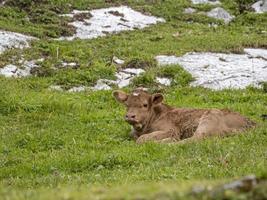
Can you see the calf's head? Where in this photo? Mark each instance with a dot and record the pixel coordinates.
(139, 105)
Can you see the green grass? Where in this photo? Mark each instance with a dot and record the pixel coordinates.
(76, 146)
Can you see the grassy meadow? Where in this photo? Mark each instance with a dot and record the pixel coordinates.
(61, 145)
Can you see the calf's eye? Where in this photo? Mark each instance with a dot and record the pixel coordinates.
(145, 105)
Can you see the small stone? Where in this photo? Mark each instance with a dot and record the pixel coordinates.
(78, 89)
(189, 10)
(56, 88)
(213, 2)
(177, 34)
(133, 71)
(213, 25)
(118, 61)
(164, 81)
(71, 64)
(198, 189)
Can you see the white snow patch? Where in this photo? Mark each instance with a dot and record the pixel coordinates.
(13, 40)
(23, 71)
(220, 13)
(110, 20)
(218, 71)
(213, 2)
(260, 6)
(164, 81)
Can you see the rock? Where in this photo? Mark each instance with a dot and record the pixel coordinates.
(17, 72)
(125, 76)
(244, 184)
(218, 71)
(220, 13)
(78, 89)
(177, 34)
(245, 187)
(117, 61)
(189, 10)
(133, 71)
(256, 53)
(123, 79)
(103, 84)
(56, 88)
(71, 64)
(213, 2)
(11, 71)
(213, 25)
(260, 6)
(164, 81)
(108, 21)
(13, 40)
(2, 3)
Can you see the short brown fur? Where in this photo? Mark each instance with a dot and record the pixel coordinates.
(153, 120)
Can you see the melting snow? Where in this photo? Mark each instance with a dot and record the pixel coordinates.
(13, 40)
(218, 71)
(110, 20)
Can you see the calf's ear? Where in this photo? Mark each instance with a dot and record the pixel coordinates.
(157, 98)
(120, 96)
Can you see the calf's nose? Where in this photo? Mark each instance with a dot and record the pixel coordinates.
(130, 117)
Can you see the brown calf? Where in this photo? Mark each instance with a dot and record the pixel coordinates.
(153, 120)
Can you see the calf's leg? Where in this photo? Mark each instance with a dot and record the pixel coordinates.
(156, 136)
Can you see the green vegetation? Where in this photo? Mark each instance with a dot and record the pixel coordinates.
(76, 146)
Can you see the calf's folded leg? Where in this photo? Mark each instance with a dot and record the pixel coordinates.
(154, 136)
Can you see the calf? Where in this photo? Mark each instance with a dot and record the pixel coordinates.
(153, 120)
